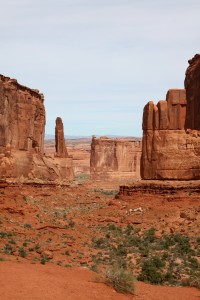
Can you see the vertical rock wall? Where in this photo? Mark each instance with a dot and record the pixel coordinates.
(171, 136)
(22, 116)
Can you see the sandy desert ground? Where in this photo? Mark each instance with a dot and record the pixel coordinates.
(53, 238)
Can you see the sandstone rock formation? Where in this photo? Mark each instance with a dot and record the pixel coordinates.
(61, 150)
(22, 116)
(115, 158)
(171, 136)
(192, 85)
(22, 126)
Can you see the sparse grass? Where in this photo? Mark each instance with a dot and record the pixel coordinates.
(193, 281)
(94, 268)
(82, 177)
(120, 279)
(107, 192)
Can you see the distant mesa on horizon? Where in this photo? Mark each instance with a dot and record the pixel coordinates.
(52, 136)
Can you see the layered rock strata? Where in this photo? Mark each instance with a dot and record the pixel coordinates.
(115, 158)
(171, 132)
(22, 116)
(22, 127)
(161, 187)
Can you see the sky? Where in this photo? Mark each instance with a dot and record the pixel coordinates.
(98, 62)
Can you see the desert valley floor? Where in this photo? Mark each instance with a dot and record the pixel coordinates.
(58, 240)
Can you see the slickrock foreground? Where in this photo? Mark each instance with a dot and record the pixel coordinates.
(115, 158)
(171, 132)
(22, 127)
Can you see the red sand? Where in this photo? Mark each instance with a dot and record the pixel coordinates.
(51, 282)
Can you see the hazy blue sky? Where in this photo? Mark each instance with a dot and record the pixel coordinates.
(98, 62)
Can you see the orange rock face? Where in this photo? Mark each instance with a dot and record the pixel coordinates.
(115, 158)
(22, 127)
(22, 116)
(171, 136)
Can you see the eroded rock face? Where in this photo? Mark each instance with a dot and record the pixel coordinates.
(171, 136)
(168, 114)
(22, 116)
(115, 158)
(192, 85)
(22, 127)
(61, 150)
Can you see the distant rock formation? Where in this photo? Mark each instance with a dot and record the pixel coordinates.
(22, 126)
(61, 150)
(115, 158)
(171, 136)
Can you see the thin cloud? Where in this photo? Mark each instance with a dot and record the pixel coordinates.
(83, 54)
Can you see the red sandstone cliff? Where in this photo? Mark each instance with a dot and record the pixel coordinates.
(22, 126)
(115, 158)
(171, 136)
(22, 116)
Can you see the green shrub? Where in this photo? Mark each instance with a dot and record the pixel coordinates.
(151, 270)
(44, 259)
(71, 224)
(150, 235)
(27, 225)
(3, 234)
(24, 198)
(120, 279)
(100, 243)
(8, 249)
(22, 252)
(107, 192)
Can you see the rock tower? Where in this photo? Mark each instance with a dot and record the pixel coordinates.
(171, 132)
